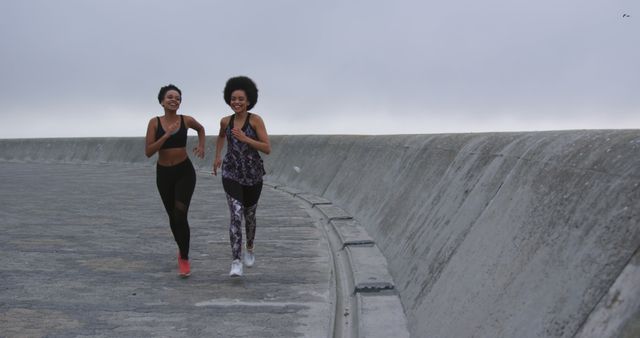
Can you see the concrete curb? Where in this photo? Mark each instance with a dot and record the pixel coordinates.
(381, 316)
(379, 310)
(332, 212)
(289, 190)
(369, 269)
(313, 199)
(351, 232)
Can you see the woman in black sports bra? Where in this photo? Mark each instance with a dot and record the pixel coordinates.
(175, 176)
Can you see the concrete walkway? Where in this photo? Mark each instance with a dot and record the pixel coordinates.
(86, 250)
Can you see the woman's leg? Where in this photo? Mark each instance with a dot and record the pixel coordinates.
(250, 224)
(252, 195)
(234, 193)
(235, 229)
(165, 181)
(184, 187)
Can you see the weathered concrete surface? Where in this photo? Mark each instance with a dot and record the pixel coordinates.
(614, 315)
(486, 235)
(86, 251)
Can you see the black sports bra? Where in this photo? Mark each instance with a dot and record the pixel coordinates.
(177, 140)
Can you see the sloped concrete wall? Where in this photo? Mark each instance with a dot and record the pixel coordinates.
(486, 235)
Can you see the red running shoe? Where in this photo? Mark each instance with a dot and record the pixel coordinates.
(184, 267)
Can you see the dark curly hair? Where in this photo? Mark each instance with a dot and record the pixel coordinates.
(241, 83)
(165, 89)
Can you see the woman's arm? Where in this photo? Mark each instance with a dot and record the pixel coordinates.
(262, 143)
(217, 162)
(195, 125)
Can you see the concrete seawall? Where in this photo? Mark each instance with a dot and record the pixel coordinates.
(486, 235)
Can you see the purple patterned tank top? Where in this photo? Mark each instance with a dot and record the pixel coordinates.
(242, 163)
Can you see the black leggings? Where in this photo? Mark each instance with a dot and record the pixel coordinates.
(176, 185)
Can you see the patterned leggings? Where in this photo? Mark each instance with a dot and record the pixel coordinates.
(235, 227)
(243, 202)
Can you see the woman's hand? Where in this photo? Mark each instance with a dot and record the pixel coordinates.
(216, 164)
(199, 151)
(239, 135)
(173, 128)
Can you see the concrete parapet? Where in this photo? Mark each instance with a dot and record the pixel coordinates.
(76, 150)
(487, 235)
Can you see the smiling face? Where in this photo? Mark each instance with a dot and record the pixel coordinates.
(239, 102)
(171, 100)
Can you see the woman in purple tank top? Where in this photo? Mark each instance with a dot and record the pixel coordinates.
(242, 167)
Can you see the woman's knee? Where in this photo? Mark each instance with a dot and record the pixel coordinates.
(180, 212)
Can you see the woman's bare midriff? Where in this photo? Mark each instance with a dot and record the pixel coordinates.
(172, 156)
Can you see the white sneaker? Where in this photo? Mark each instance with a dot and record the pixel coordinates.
(236, 268)
(249, 258)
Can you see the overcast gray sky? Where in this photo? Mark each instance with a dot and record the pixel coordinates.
(78, 68)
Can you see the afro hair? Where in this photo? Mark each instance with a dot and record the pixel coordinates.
(241, 83)
(163, 91)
